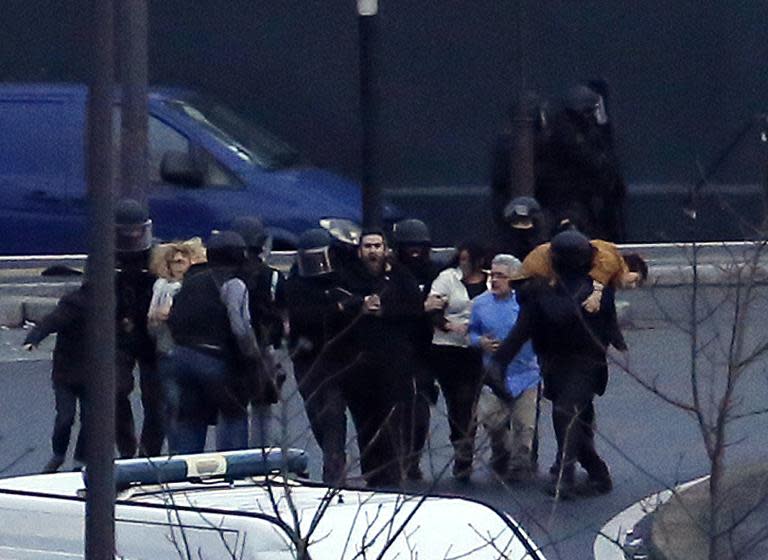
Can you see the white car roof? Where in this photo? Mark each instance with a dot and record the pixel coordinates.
(343, 523)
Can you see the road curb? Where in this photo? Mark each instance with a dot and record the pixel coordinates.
(708, 274)
(12, 311)
(16, 310)
(680, 524)
(616, 539)
(35, 308)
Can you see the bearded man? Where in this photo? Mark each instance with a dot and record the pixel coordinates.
(383, 300)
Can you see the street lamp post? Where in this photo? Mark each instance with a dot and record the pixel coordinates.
(133, 77)
(522, 172)
(368, 27)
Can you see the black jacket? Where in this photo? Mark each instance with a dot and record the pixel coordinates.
(265, 300)
(423, 325)
(310, 302)
(386, 336)
(133, 287)
(70, 353)
(199, 319)
(578, 176)
(520, 242)
(569, 342)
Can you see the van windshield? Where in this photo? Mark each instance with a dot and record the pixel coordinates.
(250, 141)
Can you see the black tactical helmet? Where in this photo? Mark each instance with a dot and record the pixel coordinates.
(225, 248)
(251, 228)
(581, 99)
(313, 253)
(411, 232)
(314, 238)
(133, 228)
(571, 252)
(519, 212)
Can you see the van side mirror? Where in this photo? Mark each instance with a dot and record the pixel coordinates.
(179, 168)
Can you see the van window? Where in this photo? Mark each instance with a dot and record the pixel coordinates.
(163, 138)
(251, 141)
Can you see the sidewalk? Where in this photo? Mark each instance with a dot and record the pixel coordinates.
(675, 527)
(680, 527)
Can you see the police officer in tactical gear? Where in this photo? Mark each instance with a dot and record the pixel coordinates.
(413, 248)
(578, 175)
(571, 345)
(311, 299)
(313, 254)
(526, 227)
(217, 366)
(263, 281)
(133, 283)
(267, 308)
(413, 244)
(345, 240)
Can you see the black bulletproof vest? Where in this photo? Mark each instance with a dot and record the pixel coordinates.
(199, 316)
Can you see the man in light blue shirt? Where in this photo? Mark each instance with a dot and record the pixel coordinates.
(494, 313)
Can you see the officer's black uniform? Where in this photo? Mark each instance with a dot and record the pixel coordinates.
(412, 245)
(376, 353)
(266, 292)
(577, 173)
(264, 283)
(571, 346)
(526, 228)
(133, 284)
(311, 299)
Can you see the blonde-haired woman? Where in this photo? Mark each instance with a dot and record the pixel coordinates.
(169, 262)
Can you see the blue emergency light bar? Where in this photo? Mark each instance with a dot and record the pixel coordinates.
(229, 465)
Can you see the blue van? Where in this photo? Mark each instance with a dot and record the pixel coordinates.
(206, 165)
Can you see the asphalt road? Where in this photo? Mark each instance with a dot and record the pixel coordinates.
(648, 443)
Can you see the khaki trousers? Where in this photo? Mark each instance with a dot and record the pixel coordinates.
(513, 446)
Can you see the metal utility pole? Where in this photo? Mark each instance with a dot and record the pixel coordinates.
(523, 117)
(368, 27)
(522, 176)
(133, 23)
(100, 412)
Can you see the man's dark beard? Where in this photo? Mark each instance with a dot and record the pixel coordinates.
(374, 266)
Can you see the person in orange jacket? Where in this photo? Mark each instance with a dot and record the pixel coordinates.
(609, 267)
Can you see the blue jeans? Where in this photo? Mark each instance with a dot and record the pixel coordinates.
(202, 383)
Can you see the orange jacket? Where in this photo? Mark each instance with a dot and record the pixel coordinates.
(608, 266)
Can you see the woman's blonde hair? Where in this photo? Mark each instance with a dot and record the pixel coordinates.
(196, 250)
(162, 253)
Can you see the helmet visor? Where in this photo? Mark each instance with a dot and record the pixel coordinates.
(314, 262)
(133, 238)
